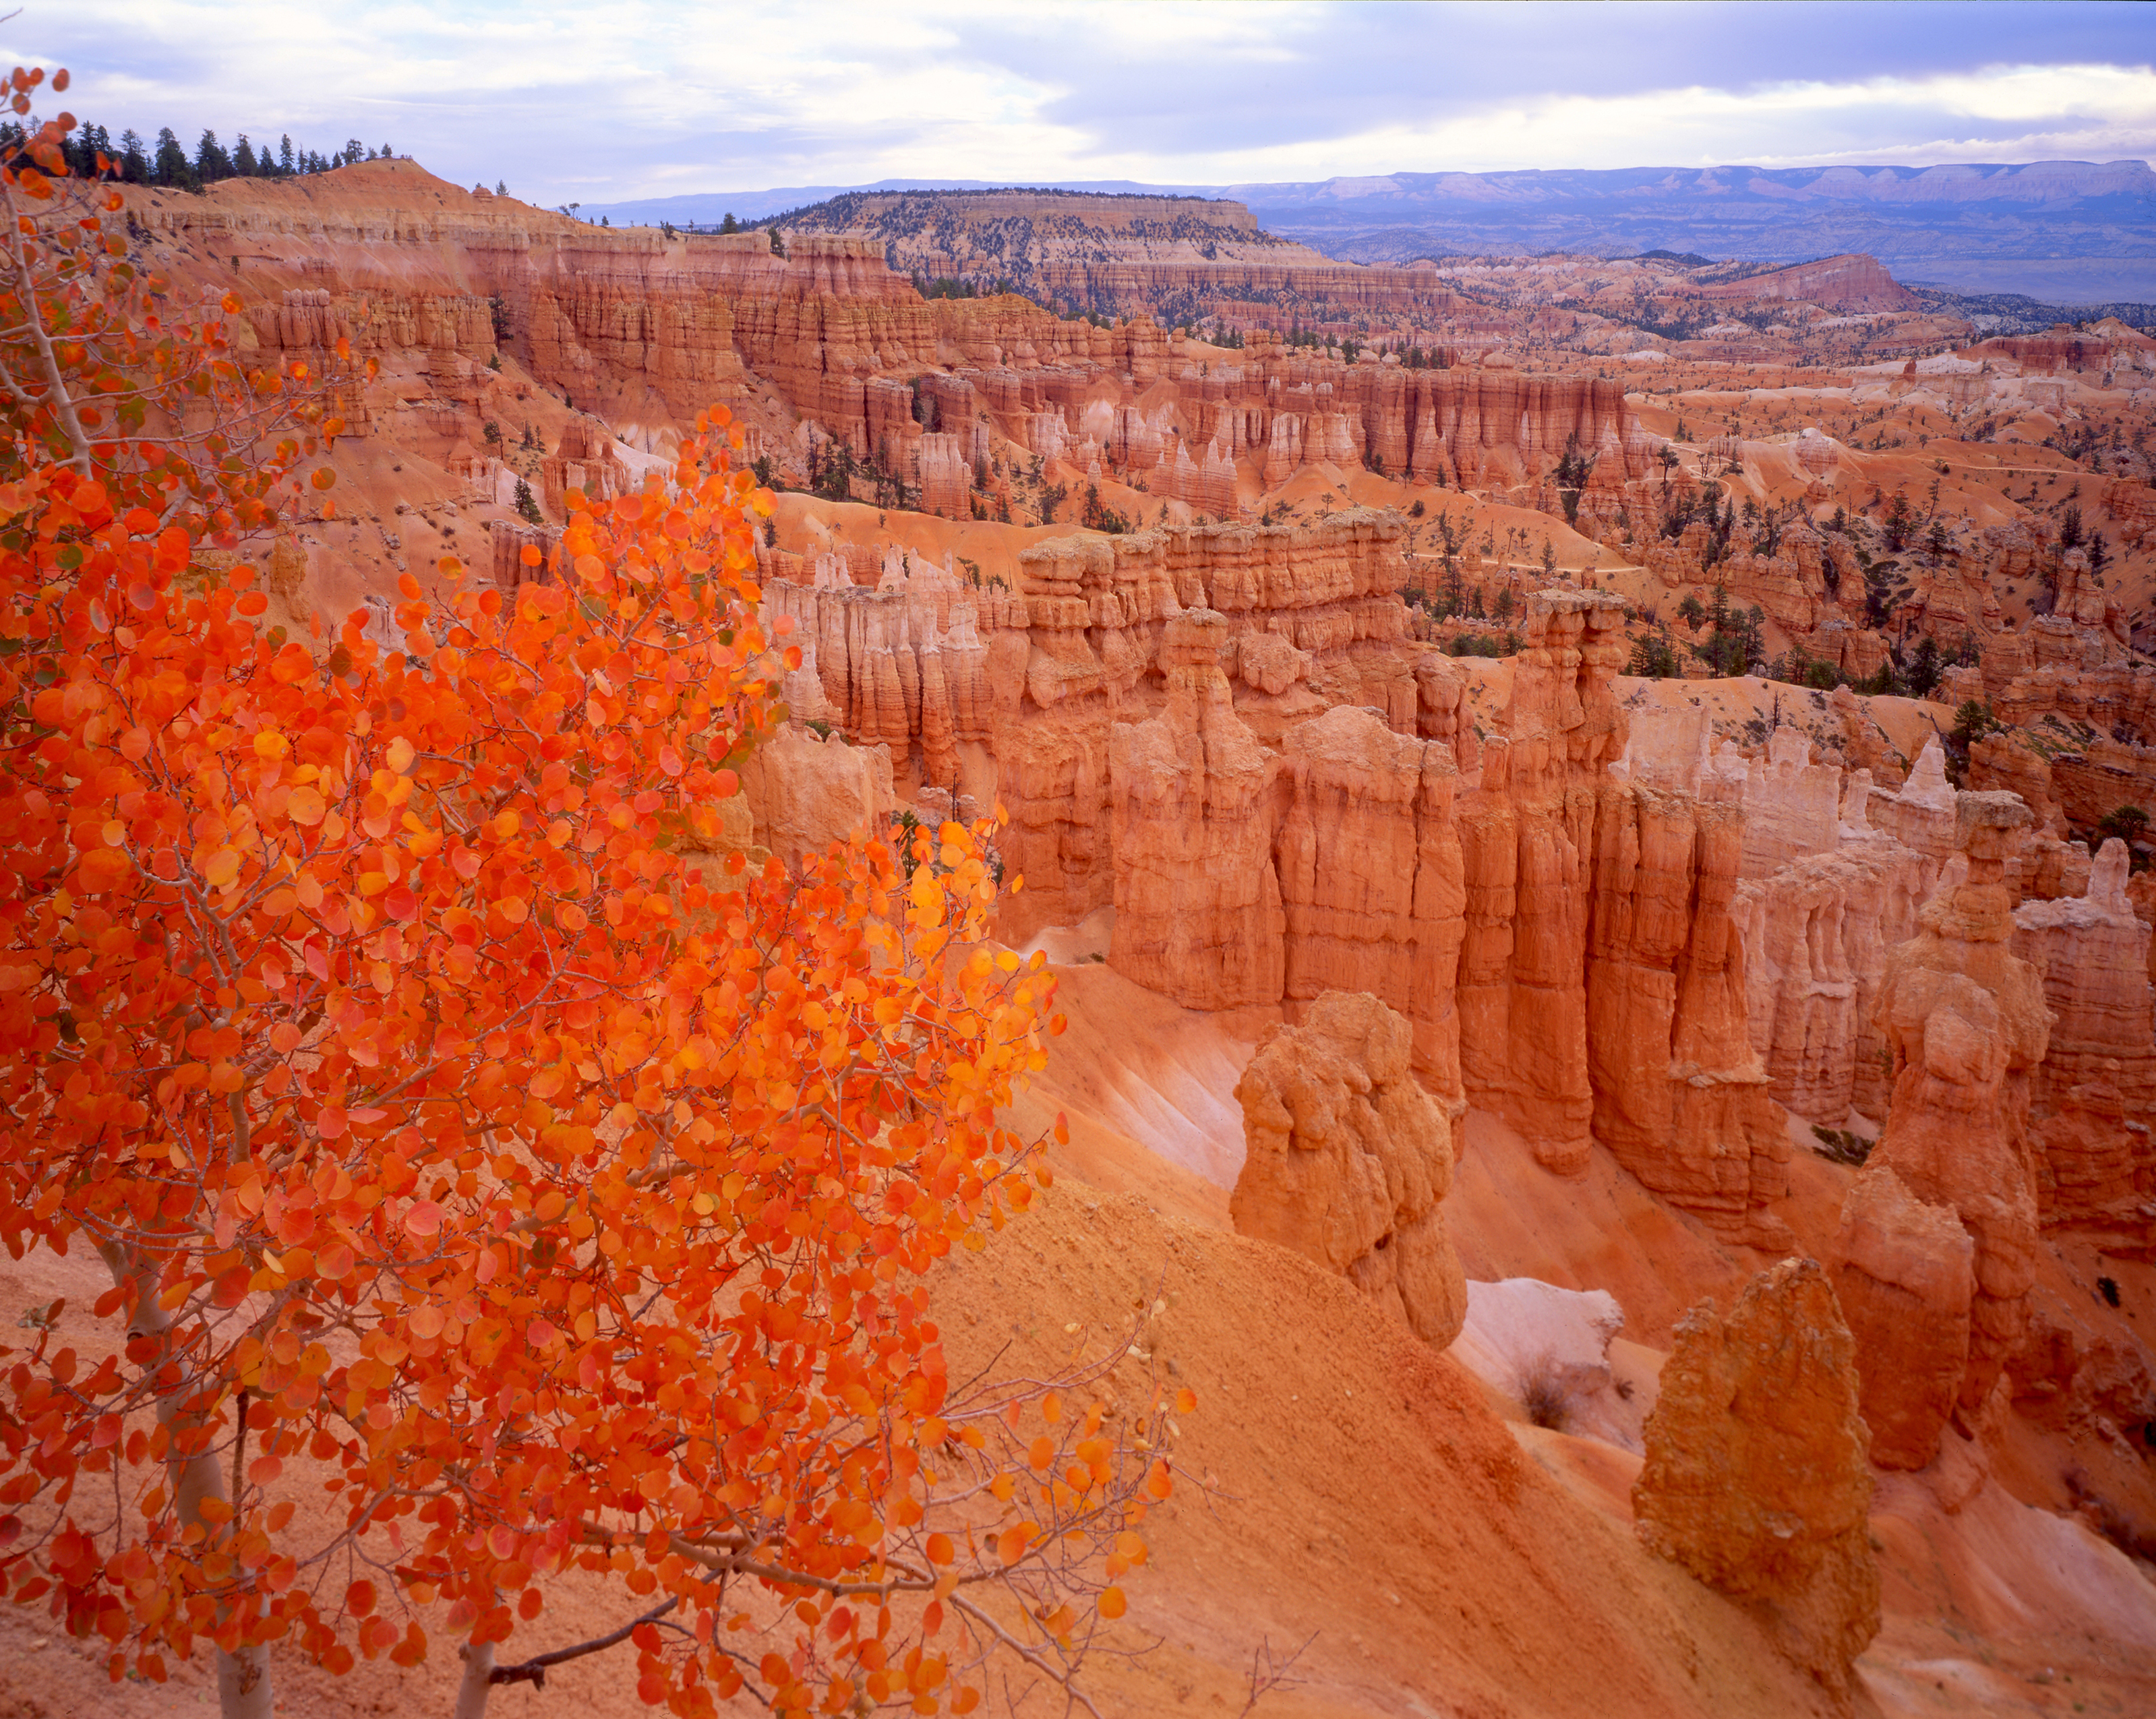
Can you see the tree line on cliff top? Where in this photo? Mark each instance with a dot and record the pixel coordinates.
(90, 151)
(489, 1171)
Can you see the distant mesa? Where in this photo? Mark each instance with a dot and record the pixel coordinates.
(2068, 233)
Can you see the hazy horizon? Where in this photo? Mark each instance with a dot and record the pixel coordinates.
(635, 101)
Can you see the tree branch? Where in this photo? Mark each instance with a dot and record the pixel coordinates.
(533, 1672)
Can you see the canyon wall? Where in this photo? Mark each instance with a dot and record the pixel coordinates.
(1604, 935)
(823, 344)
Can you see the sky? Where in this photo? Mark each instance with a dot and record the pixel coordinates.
(599, 102)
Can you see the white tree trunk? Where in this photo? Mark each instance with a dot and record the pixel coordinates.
(243, 1683)
(478, 1682)
(244, 1688)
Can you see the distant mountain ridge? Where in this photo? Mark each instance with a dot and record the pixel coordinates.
(2061, 230)
(2068, 232)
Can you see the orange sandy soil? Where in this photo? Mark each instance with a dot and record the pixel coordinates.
(1343, 1485)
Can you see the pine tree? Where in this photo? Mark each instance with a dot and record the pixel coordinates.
(284, 155)
(730, 224)
(82, 148)
(242, 159)
(211, 163)
(134, 158)
(502, 187)
(525, 505)
(172, 167)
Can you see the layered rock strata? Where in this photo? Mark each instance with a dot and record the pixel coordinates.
(646, 327)
(1197, 903)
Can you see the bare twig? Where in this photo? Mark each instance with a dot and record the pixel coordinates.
(1269, 1672)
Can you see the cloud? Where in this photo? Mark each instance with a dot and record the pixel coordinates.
(603, 102)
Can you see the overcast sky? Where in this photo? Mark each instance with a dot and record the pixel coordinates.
(612, 99)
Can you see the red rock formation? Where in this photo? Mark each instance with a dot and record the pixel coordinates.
(1525, 838)
(1757, 1478)
(1966, 1021)
(803, 793)
(508, 542)
(2100, 1068)
(1441, 712)
(1852, 282)
(1681, 1098)
(1198, 905)
(1816, 933)
(1347, 1159)
(945, 476)
(1908, 1282)
(2007, 762)
(588, 460)
(1367, 860)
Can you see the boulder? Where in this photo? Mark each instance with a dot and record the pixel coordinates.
(1347, 1159)
(1757, 1478)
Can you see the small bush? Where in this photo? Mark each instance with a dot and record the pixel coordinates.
(1842, 1145)
(1544, 1395)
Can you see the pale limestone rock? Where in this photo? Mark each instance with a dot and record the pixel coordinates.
(1816, 933)
(804, 793)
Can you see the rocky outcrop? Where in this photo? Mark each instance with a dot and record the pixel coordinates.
(1966, 1023)
(1921, 814)
(1816, 933)
(1197, 904)
(1347, 1159)
(1679, 1096)
(1792, 805)
(1854, 281)
(2093, 1096)
(1757, 1478)
(2072, 663)
(1175, 258)
(803, 793)
(1367, 860)
(1526, 840)
(1907, 1282)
